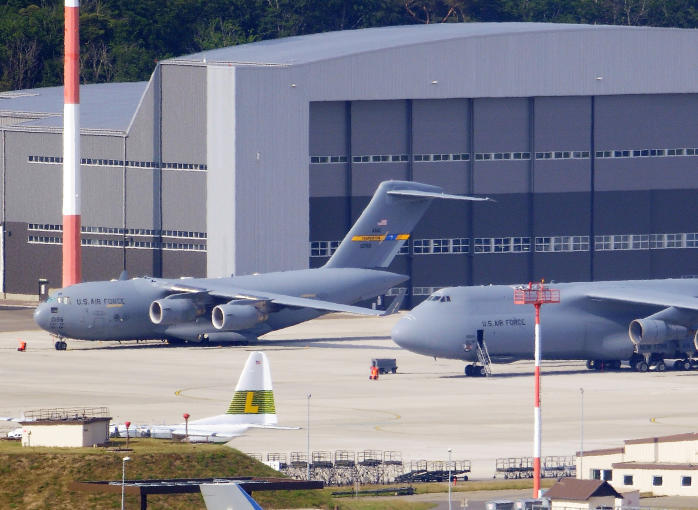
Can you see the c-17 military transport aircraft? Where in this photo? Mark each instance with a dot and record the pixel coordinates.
(241, 308)
(641, 321)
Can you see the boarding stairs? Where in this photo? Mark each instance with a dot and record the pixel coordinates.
(483, 356)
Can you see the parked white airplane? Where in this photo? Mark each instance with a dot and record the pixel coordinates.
(252, 407)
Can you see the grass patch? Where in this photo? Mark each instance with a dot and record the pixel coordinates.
(40, 478)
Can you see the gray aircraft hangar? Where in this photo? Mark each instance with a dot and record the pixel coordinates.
(259, 157)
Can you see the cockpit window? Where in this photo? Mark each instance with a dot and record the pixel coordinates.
(443, 299)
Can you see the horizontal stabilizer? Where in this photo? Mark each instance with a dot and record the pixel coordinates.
(275, 427)
(433, 194)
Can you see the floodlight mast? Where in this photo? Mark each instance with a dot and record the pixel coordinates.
(536, 294)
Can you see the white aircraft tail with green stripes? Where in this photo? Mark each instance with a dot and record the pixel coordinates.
(253, 400)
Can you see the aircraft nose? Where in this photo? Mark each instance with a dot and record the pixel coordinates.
(409, 334)
(41, 315)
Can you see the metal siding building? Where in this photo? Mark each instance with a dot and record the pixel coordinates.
(259, 157)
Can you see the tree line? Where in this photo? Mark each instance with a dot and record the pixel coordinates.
(121, 40)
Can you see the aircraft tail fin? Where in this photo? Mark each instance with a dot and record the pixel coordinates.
(253, 401)
(386, 224)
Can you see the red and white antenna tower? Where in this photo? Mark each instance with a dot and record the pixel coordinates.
(536, 294)
(71, 145)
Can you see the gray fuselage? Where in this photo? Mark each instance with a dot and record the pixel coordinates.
(578, 327)
(118, 310)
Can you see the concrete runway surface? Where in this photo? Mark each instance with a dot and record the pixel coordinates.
(424, 409)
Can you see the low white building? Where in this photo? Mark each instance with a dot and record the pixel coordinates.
(62, 427)
(664, 466)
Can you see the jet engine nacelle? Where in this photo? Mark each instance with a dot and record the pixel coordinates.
(172, 311)
(234, 317)
(652, 331)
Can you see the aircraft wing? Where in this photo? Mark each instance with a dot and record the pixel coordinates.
(634, 296)
(301, 302)
(279, 299)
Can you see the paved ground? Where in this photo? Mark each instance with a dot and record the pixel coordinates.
(428, 407)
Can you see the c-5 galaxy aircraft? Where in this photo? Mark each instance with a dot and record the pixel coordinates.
(641, 321)
(241, 308)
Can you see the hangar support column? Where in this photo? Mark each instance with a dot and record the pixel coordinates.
(257, 152)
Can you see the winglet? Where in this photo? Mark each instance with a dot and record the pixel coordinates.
(396, 303)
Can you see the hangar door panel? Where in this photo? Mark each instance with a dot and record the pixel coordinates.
(440, 143)
(378, 129)
(646, 141)
(183, 114)
(329, 148)
(501, 140)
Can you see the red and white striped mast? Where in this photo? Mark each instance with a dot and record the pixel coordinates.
(71, 145)
(536, 295)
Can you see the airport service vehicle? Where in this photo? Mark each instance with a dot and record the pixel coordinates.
(252, 406)
(385, 365)
(241, 308)
(643, 322)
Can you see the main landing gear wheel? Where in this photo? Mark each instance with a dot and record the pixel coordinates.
(660, 367)
(474, 371)
(642, 366)
(60, 345)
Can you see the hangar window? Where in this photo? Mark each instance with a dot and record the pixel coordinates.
(520, 244)
(627, 479)
(657, 481)
(483, 245)
(440, 245)
(421, 246)
(424, 291)
(460, 245)
(602, 243)
(607, 475)
(686, 481)
(640, 241)
(596, 474)
(460, 156)
(562, 243)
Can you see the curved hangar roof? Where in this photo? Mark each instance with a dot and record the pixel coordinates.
(479, 60)
(420, 61)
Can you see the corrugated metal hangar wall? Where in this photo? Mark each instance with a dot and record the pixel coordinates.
(539, 158)
(259, 157)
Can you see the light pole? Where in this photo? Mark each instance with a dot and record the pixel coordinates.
(123, 478)
(449, 479)
(581, 432)
(307, 445)
(536, 295)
